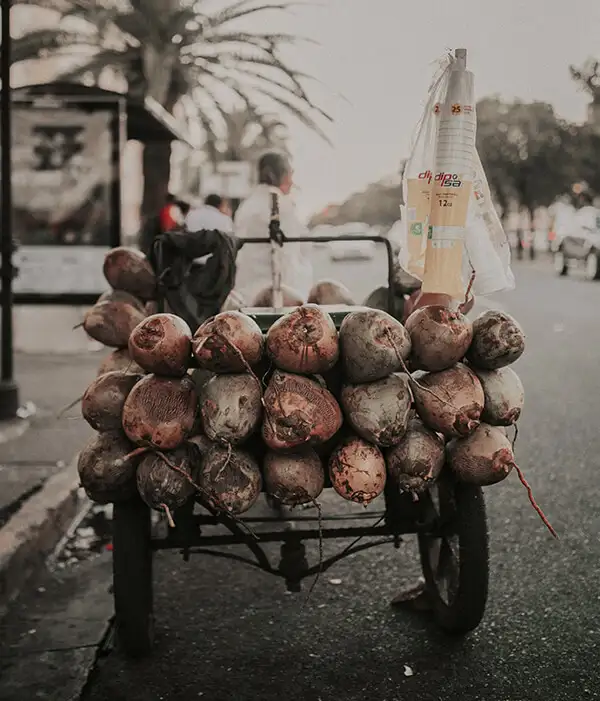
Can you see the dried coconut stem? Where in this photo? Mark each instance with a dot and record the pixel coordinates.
(540, 513)
(211, 498)
(411, 379)
(168, 515)
(78, 326)
(469, 287)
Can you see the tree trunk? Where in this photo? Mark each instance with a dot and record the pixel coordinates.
(156, 162)
(156, 165)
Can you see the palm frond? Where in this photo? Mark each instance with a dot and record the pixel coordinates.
(239, 10)
(95, 64)
(41, 42)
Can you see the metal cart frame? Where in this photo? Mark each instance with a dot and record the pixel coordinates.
(449, 521)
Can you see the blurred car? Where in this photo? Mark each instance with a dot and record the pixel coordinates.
(352, 250)
(581, 247)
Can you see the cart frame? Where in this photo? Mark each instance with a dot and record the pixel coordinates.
(449, 521)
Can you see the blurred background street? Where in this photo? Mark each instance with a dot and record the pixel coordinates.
(123, 121)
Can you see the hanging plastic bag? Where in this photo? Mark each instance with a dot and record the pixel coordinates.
(453, 240)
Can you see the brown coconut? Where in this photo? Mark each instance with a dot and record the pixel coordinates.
(417, 460)
(102, 402)
(291, 298)
(160, 411)
(439, 337)
(327, 292)
(105, 475)
(121, 296)
(357, 470)
(294, 478)
(379, 411)
(119, 360)
(231, 407)
(162, 344)
(372, 345)
(128, 269)
(111, 323)
(298, 411)
(162, 487)
(483, 458)
(498, 340)
(304, 341)
(231, 478)
(450, 401)
(228, 342)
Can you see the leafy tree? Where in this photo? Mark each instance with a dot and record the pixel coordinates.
(528, 153)
(174, 51)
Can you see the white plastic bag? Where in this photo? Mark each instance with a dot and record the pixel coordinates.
(453, 240)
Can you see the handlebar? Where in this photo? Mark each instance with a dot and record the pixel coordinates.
(342, 238)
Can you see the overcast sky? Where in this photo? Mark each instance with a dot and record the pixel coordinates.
(379, 54)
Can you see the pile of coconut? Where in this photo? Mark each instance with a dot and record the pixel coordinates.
(227, 412)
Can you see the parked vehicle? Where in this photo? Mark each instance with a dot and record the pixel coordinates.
(581, 247)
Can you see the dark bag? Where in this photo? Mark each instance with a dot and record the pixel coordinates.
(195, 291)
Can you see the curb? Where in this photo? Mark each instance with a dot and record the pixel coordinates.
(33, 532)
(12, 429)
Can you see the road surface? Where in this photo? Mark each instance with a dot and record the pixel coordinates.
(226, 632)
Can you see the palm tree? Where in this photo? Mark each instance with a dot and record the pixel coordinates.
(178, 51)
(248, 134)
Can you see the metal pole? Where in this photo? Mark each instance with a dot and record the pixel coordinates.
(9, 394)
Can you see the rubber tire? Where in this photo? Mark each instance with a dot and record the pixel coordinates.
(564, 269)
(470, 523)
(132, 577)
(596, 275)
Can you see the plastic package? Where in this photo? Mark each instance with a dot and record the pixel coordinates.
(453, 240)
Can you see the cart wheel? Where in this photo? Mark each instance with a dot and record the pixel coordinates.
(132, 577)
(455, 559)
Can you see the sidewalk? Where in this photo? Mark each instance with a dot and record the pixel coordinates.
(38, 481)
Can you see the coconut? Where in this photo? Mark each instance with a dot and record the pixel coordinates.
(119, 360)
(504, 396)
(357, 470)
(294, 478)
(373, 345)
(228, 342)
(160, 485)
(162, 344)
(291, 298)
(231, 407)
(105, 475)
(483, 458)
(327, 292)
(111, 323)
(498, 340)
(298, 411)
(378, 411)
(439, 337)
(121, 296)
(102, 402)
(417, 460)
(450, 401)
(160, 411)
(231, 479)
(304, 341)
(128, 269)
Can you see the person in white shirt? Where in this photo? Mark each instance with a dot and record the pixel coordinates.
(254, 266)
(214, 214)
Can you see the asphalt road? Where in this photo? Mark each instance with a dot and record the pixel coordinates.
(228, 632)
